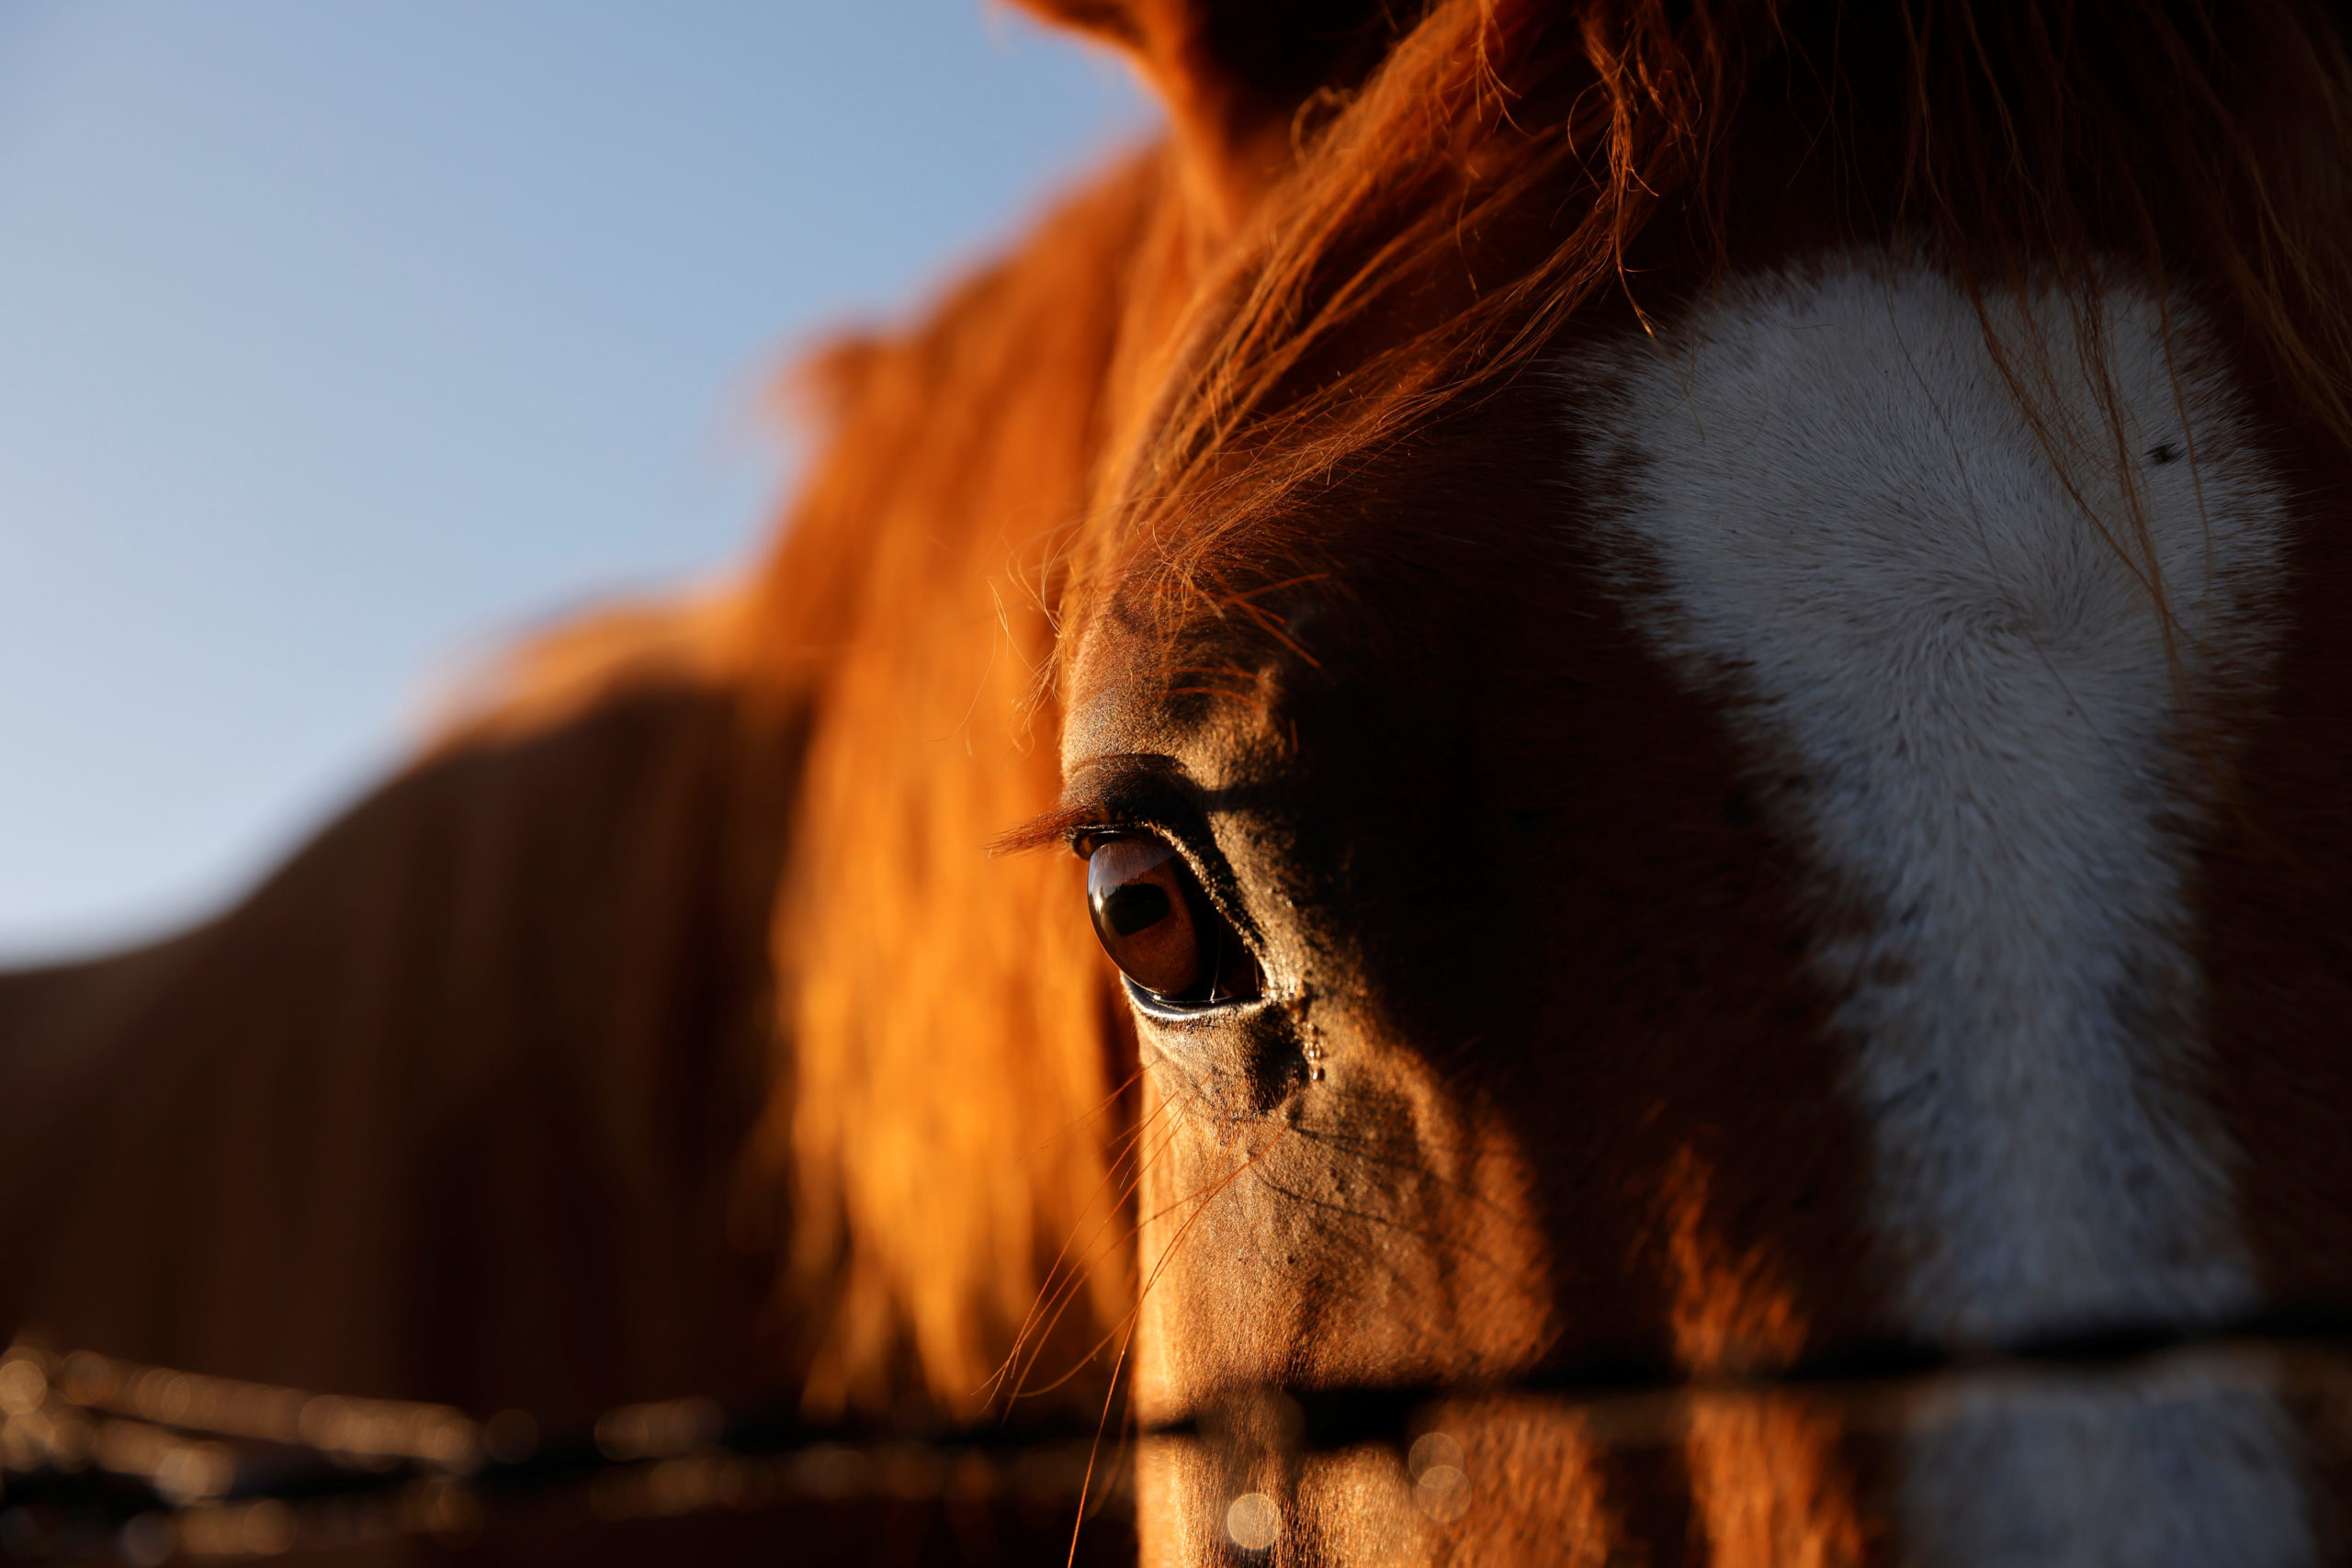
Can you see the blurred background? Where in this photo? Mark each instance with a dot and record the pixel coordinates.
(340, 343)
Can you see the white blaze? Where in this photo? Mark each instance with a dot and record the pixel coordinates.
(1960, 703)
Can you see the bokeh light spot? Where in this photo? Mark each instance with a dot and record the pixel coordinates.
(1253, 1521)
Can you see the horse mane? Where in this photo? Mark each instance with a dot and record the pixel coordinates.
(945, 1099)
(1495, 176)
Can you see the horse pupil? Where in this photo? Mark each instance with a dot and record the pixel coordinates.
(1136, 907)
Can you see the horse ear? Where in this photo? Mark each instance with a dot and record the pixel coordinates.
(1235, 73)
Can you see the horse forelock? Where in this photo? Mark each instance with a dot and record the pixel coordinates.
(1499, 176)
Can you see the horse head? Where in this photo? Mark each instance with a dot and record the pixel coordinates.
(1676, 723)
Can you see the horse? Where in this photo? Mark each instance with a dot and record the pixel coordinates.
(1687, 649)
(1708, 729)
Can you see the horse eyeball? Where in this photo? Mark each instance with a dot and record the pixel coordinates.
(1142, 898)
(1137, 907)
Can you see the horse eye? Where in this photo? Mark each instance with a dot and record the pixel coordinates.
(1160, 928)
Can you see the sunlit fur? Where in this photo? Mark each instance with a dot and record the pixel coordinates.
(665, 1025)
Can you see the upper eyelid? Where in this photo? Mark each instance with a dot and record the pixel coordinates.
(1140, 794)
(1114, 794)
(1162, 800)
(1114, 823)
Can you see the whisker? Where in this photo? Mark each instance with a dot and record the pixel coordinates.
(1110, 1173)
(1133, 1316)
(1021, 1390)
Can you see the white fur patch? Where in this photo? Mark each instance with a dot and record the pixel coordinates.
(1959, 699)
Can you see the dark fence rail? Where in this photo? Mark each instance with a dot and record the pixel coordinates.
(103, 1459)
(107, 1459)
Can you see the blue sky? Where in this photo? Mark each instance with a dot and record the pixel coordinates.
(341, 339)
